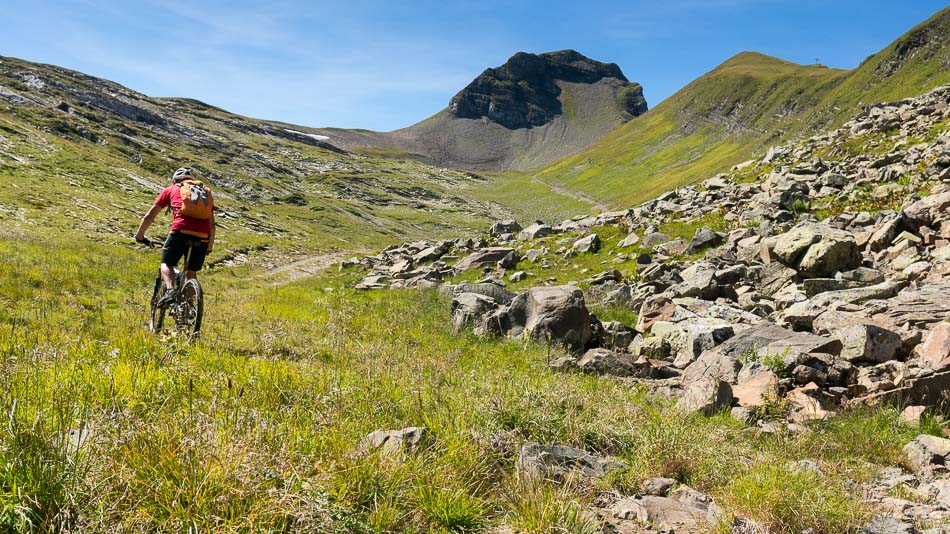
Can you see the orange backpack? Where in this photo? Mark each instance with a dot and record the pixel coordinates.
(196, 200)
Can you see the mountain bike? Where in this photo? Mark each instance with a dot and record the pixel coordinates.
(188, 307)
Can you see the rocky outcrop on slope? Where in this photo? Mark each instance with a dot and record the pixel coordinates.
(827, 285)
(523, 92)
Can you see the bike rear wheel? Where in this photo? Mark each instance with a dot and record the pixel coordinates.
(156, 314)
(190, 307)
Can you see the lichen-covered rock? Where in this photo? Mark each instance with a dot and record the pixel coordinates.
(817, 250)
(926, 451)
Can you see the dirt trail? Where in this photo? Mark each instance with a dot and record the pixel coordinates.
(580, 197)
(306, 266)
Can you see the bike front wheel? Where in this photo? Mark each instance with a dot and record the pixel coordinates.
(190, 307)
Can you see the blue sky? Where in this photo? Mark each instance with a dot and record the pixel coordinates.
(385, 65)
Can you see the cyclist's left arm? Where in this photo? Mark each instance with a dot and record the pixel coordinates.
(147, 221)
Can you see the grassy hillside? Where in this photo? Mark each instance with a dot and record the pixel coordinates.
(86, 154)
(740, 108)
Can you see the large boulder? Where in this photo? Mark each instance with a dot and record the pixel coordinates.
(631, 240)
(690, 338)
(555, 314)
(865, 342)
(699, 280)
(488, 257)
(816, 250)
(468, 309)
(712, 364)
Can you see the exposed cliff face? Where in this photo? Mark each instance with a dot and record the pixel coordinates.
(533, 110)
(523, 92)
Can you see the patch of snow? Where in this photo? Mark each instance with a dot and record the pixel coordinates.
(312, 136)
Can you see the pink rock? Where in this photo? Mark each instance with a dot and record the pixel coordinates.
(756, 390)
(935, 352)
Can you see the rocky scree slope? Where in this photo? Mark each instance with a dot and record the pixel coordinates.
(534, 109)
(817, 279)
(68, 139)
(742, 107)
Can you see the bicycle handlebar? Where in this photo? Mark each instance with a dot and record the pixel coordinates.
(146, 241)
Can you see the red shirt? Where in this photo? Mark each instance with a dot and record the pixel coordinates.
(171, 196)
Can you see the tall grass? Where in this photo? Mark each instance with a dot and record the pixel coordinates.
(257, 427)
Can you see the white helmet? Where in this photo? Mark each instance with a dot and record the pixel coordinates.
(182, 174)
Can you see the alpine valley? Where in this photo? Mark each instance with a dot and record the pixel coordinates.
(549, 307)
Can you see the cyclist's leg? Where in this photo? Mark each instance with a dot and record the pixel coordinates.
(171, 253)
(199, 250)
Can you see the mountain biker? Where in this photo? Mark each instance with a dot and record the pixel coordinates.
(184, 230)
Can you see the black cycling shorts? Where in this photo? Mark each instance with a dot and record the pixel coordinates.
(176, 245)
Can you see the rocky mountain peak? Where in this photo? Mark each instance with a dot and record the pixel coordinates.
(523, 92)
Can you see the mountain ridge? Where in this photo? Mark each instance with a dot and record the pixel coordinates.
(743, 106)
(530, 111)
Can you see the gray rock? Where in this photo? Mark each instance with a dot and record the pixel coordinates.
(607, 362)
(926, 451)
(395, 442)
(663, 513)
(560, 462)
(468, 309)
(865, 342)
(508, 226)
(655, 238)
(817, 250)
(768, 339)
(629, 241)
(929, 209)
(704, 238)
(918, 307)
(705, 396)
(488, 257)
(860, 294)
(535, 231)
(588, 243)
(657, 486)
(618, 335)
(699, 280)
(887, 524)
(690, 338)
(801, 315)
(712, 364)
(495, 291)
(556, 314)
